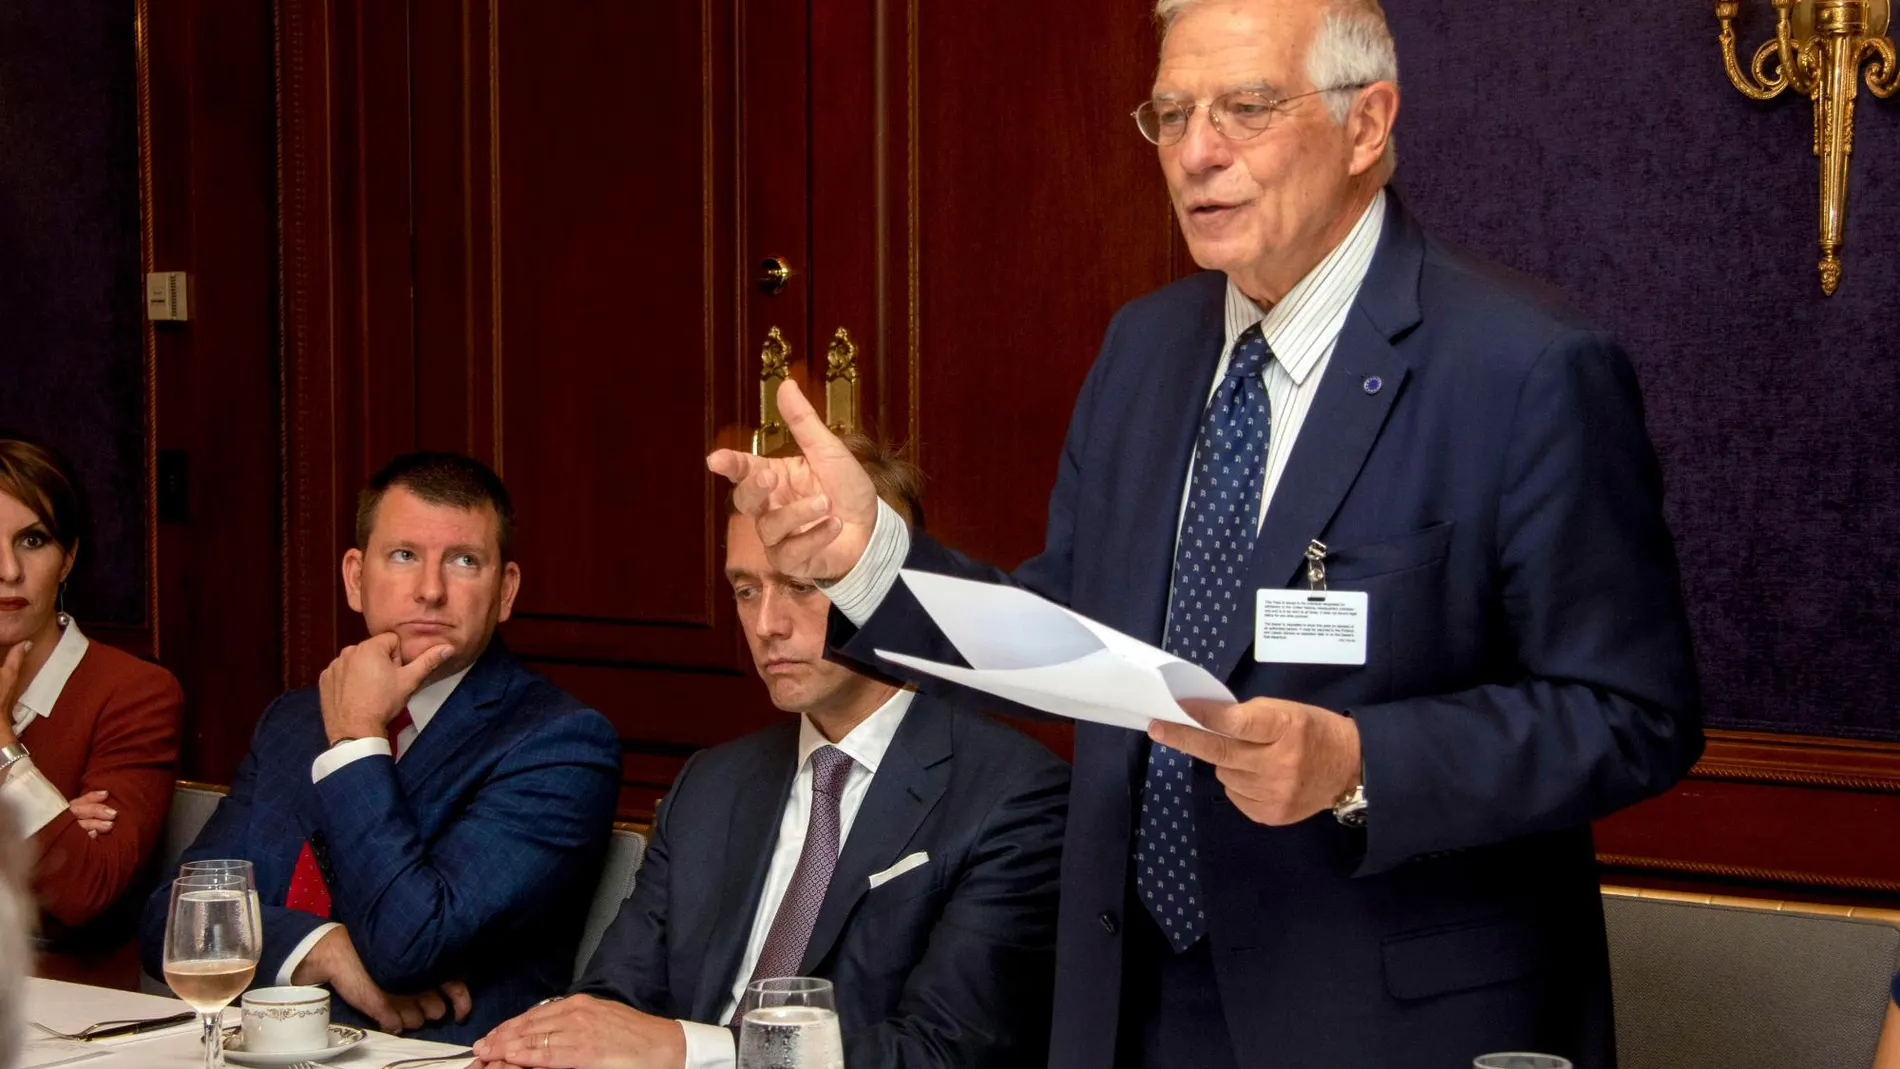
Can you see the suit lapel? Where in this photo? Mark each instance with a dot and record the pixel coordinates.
(1149, 497)
(1363, 380)
(909, 782)
(751, 834)
(477, 700)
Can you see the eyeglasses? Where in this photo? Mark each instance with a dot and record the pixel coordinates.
(1239, 116)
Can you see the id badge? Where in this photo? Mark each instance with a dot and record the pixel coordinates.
(1311, 626)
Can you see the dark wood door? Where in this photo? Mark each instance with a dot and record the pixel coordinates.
(535, 233)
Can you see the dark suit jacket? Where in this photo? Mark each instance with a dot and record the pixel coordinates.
(114, 728)
(1476, 460)
(472, 858)
(948, 964)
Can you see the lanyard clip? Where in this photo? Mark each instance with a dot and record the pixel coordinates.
(1316, 565)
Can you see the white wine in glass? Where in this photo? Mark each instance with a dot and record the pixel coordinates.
(211, 947)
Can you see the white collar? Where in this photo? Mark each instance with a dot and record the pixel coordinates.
(43, 693)
(865, 743)
(425, 703)
(1302, 327)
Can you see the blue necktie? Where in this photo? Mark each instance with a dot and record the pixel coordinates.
(1210, 580)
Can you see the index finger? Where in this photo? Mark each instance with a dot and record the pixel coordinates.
(734, 465)
(1216, 750)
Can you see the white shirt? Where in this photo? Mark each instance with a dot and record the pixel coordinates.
(33, 797)
(710, 1046)
(1302, 330)
(423, 705)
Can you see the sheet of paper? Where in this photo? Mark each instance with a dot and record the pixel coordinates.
(1029, 650)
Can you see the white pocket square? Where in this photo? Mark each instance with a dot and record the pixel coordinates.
(914, 861)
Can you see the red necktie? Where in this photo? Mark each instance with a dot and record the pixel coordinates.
(307, 889)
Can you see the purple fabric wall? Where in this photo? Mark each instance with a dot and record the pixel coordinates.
(71, 369)
(1601, 147)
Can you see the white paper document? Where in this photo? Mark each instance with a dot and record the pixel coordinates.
(1037, 653)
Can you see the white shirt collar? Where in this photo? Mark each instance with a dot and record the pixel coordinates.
(43, 693)
(425, 703)
(1300, 329)
(865, 743)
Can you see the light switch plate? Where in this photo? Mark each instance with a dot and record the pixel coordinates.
(165, 296)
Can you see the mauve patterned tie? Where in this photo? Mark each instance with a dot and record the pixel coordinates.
(791, 928)
(1210, 591)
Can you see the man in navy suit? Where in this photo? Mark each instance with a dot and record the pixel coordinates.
(427, 823)
(1381, 862)
(903, 849)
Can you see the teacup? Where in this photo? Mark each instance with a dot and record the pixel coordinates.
(286, 1020)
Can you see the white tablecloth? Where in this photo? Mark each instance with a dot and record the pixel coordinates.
(71, 1007)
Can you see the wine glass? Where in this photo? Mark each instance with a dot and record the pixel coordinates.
(1520, 1060)
(236, 867)
(212, 939)
(790, 1023)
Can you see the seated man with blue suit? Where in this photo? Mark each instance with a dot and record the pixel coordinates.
(899, 847)
(429, 821)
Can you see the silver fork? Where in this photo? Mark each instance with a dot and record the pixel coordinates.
(84, 1033)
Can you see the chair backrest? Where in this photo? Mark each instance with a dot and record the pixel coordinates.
(192, 806)
(624, 853)
(1727, 983)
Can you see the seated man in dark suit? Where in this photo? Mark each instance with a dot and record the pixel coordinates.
(902, 849)
(428, 822)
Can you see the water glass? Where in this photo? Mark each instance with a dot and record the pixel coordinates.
(212, 941)
(232, 866)
(1520, 1060)
(790, 1022)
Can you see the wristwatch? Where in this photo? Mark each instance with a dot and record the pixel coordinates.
(10, 756)
(1350, 810)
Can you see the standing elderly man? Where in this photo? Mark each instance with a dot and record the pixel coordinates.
(1385, 862)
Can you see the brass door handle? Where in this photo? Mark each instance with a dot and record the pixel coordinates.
(841, 383)
(774, 367)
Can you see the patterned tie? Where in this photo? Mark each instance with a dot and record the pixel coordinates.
(308, 892)
(798, 911)
(1210, 579)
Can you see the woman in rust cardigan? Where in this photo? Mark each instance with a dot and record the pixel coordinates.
(88, 735)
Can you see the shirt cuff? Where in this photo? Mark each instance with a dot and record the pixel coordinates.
(300, 952)
(33, 797)
(708, 1046)
(859, 593)
(345, 752)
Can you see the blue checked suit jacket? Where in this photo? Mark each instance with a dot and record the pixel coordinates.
(474, 857)
(1477, 462)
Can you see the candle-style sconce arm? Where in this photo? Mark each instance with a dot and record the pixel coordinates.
(1818, 51)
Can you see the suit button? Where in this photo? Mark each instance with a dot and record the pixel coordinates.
(1107, 921)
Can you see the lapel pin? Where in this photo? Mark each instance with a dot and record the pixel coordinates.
(1374, 384)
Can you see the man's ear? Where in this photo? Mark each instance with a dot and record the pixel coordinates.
(510, 586)
(353, 578)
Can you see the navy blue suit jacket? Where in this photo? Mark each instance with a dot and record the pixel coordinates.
(949, 964)
(1476, 460)
(473, 858)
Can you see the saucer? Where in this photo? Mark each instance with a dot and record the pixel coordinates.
(342, 1037)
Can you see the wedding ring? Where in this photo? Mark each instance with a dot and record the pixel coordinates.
(545, 1036)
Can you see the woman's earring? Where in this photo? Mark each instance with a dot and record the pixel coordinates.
(59, 604)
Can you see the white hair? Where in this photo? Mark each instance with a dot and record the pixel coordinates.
(17, 915)
(1353, 47)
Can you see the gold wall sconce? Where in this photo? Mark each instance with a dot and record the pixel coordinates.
(1818, 51)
